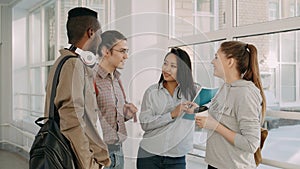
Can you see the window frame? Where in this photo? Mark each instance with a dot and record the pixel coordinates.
(27, 110)
(232, 32)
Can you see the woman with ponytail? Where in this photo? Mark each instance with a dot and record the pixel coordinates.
(237, 111)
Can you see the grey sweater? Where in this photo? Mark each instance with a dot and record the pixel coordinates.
(237, 106)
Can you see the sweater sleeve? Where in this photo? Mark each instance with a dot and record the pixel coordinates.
(248, 110)
(149, 119)
(70, 102)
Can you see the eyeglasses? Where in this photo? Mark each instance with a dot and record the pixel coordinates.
(123, 51)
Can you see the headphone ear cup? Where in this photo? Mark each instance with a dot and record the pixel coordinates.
(88, 58)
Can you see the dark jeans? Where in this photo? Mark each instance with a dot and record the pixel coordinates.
(147, 160)
(211, 167)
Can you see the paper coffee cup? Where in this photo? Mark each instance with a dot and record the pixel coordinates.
(204, 113)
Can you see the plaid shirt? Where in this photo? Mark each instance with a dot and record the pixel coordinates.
(110, 101)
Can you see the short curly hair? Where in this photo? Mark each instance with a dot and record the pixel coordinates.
(77, 26)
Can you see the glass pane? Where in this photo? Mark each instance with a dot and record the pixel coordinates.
(288, 47)
(288, 83)
(63, 15)
(194, 17)
(36, 81)
(269, 85)
(21, 105)
(21, 80)
(44, 76)
(99, 6)
(183, 20)
(268, 57)
(204, 15)
(265, 48)
(203, 55)
(288, 93)
(264, 11)
(289, 70)
(36, 38)
(298, 44)
(277, 61)
(37, 106)
(20, 100)
(205, 6)
(273, 56)
(298, 7)
(37, 91)
(273, 10)
(288, 8)
(50, 32)
(204, 74)
(282, 141)
(259, 9)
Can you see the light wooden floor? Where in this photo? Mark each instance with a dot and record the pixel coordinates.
(9, 160)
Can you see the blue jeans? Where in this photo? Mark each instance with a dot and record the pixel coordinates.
(116, 156)
(147, 160)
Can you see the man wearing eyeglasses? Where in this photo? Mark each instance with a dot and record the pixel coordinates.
(114, 109)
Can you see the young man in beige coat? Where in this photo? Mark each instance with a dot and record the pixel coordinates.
(75, 96)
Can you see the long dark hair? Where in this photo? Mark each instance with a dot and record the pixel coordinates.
(247, 64)
(184, 74)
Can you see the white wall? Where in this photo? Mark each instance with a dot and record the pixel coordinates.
(19, 58)
(5, 65)
(0, 62)
(145, 23)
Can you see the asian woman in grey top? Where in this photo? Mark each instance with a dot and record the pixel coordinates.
(168, 136)
(236, 112)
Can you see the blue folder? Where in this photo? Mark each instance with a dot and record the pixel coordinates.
(203, 97)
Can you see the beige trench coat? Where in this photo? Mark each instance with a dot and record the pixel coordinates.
(75, 91)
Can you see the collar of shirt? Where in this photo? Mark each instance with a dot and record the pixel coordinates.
(103, 73)
(161, 87)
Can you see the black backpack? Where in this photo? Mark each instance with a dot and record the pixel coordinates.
(50, 149)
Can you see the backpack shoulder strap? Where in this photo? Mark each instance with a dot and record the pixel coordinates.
(54, 84)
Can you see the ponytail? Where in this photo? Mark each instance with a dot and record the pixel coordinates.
(247, 64)
(252, 74)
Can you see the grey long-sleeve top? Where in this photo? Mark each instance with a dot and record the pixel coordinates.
(237, 106)
(163, 135)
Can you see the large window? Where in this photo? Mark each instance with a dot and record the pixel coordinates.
(277, 55)
(202, 55)
(193, 17)
(255, 11)
(269, 26)
(278, 52)
(50, 29)
(43, 29)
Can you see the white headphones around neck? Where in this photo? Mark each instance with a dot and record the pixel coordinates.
(87, 57)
